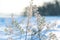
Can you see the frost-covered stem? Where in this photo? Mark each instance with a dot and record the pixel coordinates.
(38, 25)
(27, 28)
(14, 24)
(10, 28)
(12, 17)
(31, 9)
(29, 16)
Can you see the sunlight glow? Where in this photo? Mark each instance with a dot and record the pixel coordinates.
(17, 6)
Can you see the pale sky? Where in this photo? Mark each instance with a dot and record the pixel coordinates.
(16, 6)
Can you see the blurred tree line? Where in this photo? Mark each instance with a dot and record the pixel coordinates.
(50, 9)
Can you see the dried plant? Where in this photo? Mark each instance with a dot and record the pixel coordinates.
(52, 36)
(13, 26)
(38, 33)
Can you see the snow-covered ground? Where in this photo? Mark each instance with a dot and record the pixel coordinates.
(3, 35)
